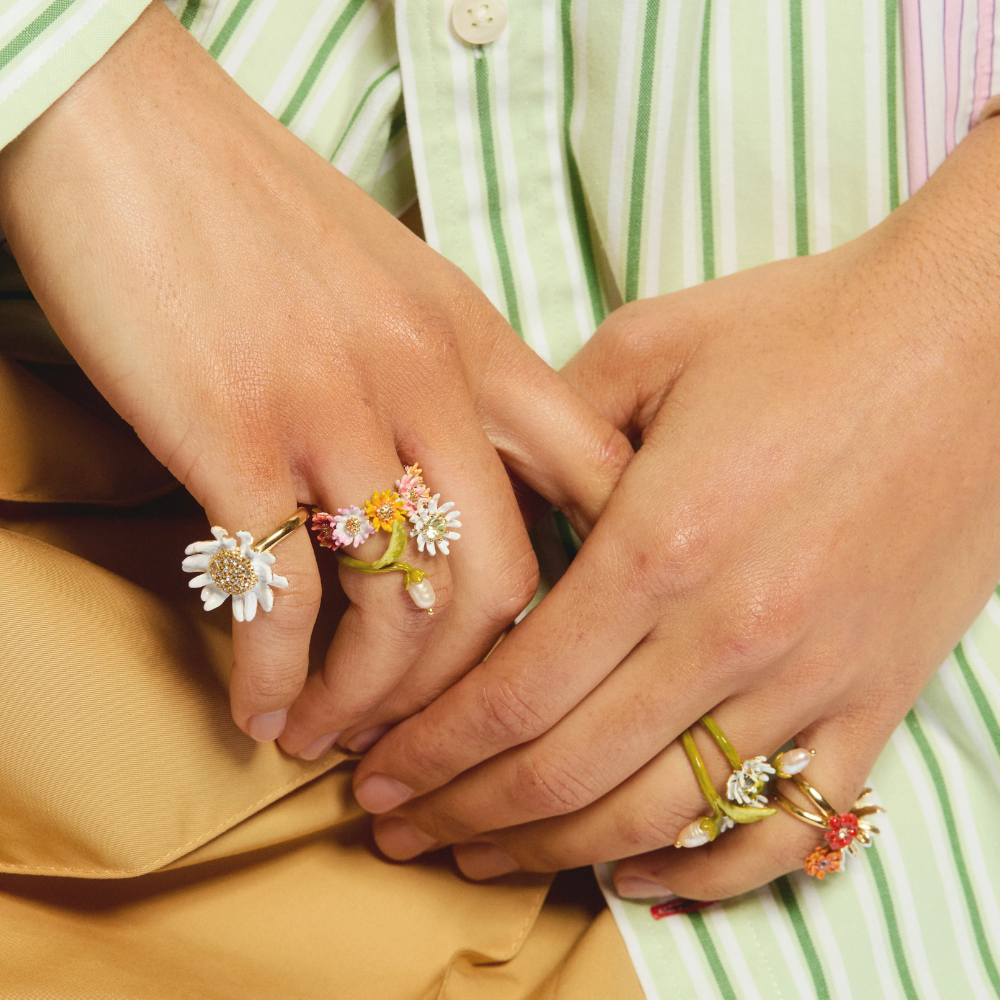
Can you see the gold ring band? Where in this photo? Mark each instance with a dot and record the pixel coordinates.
(281, 533)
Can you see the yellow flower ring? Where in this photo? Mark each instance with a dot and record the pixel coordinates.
(389, 510)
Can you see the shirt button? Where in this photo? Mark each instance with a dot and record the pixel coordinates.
(479, 23)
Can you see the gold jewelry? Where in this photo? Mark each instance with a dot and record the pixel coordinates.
(237, 568)
(841, 830)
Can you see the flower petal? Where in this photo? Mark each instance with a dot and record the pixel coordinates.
(238, 607)
(213, 597)
(246, 543)
(249, 606)
(278, 581)
(219, 533)
(209, 548)
(196, 564)
(264, 596)
(200, 581)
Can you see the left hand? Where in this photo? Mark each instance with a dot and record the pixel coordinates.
(811, 523)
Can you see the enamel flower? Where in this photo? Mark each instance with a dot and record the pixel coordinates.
(746, 785)
(823, 862)
(229, 567)
(412, 489)
(323, 525)
(434, 525)
(384, 509)
(351, 527)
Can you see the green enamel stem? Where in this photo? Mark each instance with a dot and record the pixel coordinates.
(738, 814)
(387, 562)
(723, 741)
(397, 545)
(701, 773)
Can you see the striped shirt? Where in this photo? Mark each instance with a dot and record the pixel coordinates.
(598, 152)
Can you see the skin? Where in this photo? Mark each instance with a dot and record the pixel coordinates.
(276, 338)
(810, 524)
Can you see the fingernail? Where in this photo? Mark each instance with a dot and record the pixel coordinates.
(267, 726)
(318, 747)
(479, 861)
(401, 840)
(641, 888)
(366, 739)
(379, 793)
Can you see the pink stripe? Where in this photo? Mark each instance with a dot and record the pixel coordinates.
(953, 10)
(984, 59)
(913, 92)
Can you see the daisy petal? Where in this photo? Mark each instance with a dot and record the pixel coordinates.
(213, 597)
(219, 533)
(200, 581)
(249, 606)
(196, 564)
(209, 548)
(264, 597)
(238, 607)
(278, 581)
(443, 546)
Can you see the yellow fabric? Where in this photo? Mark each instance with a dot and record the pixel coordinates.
(148, 849)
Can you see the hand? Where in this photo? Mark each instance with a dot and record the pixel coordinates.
(276, 338)
(810, 524)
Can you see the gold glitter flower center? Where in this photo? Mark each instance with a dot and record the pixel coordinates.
(385, 512)
(232, 572)
(353, 525)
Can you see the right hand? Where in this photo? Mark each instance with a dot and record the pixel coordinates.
(275, 337)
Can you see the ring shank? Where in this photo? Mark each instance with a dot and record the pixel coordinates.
(281, 533)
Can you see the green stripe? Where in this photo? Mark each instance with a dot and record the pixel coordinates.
(575, 184)
(309, 80)
(799, 127)
(712, 955)
(889, 913)
(232, 23)
(891, 28)
(640, 150)
(361, 104)
(493, 189)
(937, 777)
(189, 13)
(31, 31)
(979, 696)
(705, 149)
(787, 894)
(397, 126)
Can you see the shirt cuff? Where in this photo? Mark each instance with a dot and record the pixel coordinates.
(46, 46)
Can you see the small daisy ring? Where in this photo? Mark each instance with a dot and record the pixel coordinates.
(237, 568)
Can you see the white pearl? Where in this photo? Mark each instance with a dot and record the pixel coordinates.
(793, 761)
(693, 835)
(422, 593)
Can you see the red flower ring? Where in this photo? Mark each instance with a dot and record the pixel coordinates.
(843, 831)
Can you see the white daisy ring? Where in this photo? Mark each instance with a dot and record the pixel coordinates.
(235, 567)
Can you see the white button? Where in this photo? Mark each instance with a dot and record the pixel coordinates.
(479, 22)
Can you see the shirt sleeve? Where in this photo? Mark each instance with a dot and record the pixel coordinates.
(47, 45)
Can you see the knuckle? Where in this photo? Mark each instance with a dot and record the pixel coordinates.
(765, 622)
(513, 585)
(678, 561)
(274, 685)
(550, 784)
(507, 714)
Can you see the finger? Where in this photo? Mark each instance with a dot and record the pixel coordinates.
(550, 437)
(493, 567)
(620, 583)
(270, 644)
(751, 856)
(611, 825)
(583, 628)
(646, 359)
(382, 630)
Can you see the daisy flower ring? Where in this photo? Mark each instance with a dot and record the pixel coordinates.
(433, 527)
(236, 567)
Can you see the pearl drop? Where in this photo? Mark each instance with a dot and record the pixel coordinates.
(693, 835)
(422, 593)
(793, 761)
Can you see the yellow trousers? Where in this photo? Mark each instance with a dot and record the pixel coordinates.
(148, 849)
